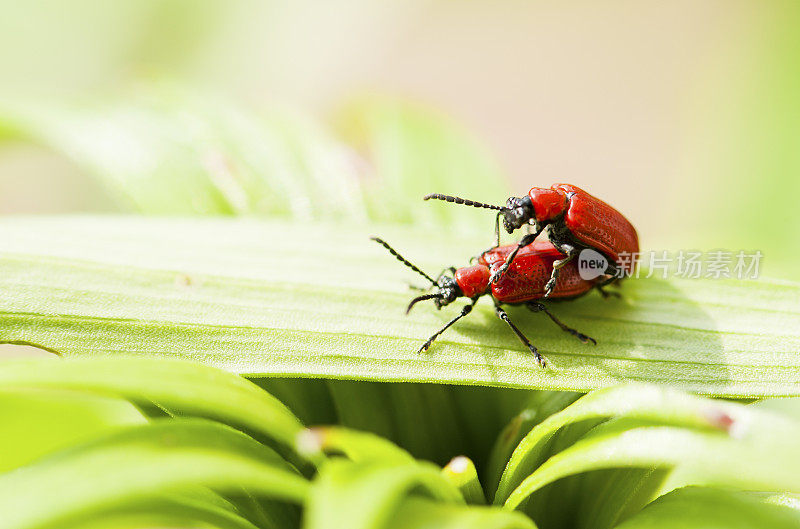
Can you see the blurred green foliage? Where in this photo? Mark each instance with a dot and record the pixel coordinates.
(171, 107)
(710, 91)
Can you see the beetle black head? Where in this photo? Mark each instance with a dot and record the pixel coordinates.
(446, 292)
(518, 212)
(446, 288)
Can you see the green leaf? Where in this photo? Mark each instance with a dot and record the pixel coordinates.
(174, 512)
(139, 462)
(603, 458)
(36, 422)
(366, 494)
(756, 450)
(272, 298)
(181, 387)
(461, 472)
(414, 151)
(637, 402)
(540, 405)
(357, 446)
(418, 513)
(704, 508)
(431, 421)
(166, 150)
(309, 399)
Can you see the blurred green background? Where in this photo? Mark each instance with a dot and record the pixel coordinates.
(684, 115)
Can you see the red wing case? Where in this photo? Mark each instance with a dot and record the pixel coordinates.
(500, 253)
(530, 271)
(599, 226)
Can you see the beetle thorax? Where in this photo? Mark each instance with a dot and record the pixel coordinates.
(547, 204)
(473, 280)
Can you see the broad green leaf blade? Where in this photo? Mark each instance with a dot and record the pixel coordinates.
(702, 508)
(273, 298)
(367, 494)
(143, 461)
(418, 513)
(759, 452)
(36, 422)
(183, 388)
(636, 402)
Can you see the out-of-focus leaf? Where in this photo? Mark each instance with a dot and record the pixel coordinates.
(786, 406)
(414, 151)
(418, 513)
(540, 405)
(308, 300)
(140, 462)
(367, 494)
(357, 446)
(172, 151)
(163, 513)
(309, 399)
(182, 387)
(637, 402)
(35, 422)
(705, 508)
(757, 451)
(432, 421)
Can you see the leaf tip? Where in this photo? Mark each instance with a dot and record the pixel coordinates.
(310, 441)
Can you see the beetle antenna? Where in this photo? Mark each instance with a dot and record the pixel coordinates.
(464, 201)
(403, 259)
(422, 298)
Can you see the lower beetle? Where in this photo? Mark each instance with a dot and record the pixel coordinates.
(523, 284)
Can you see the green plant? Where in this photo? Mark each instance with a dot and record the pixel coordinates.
(336, 422)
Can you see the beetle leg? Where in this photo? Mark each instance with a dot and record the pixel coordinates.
(466, 310)
(497, 228)
(525, 241)
(611, 281)
(606, 294)
(503, 316)
(497, 239)
(571, 252)
(535, 306)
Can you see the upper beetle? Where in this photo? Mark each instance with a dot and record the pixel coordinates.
(574, 219)
(523, 284)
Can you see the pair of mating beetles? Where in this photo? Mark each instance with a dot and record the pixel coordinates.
(531, 270)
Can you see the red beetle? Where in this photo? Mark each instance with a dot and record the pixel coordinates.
(576, 220)
(523, 283)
